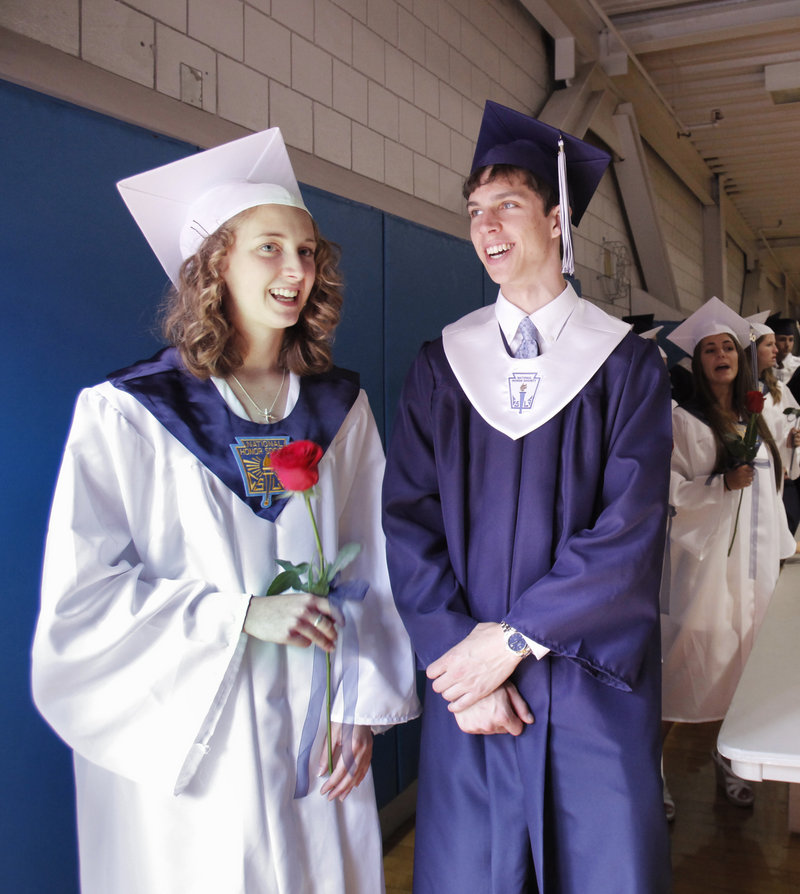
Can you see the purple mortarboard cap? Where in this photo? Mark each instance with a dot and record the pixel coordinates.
(640, 322)
(508, 137)
(782, 325)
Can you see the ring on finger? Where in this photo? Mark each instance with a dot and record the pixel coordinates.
(319, 620)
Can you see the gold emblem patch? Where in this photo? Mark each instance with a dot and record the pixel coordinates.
(252, 456)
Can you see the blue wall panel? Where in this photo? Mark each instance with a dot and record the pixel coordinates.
(357, 229)
(80, 291)
(431, 279)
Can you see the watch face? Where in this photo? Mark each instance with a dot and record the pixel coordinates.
(516, 642)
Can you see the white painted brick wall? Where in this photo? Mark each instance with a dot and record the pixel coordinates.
(350, 92)
(369, 53)
(450, 106)
(56, 23)
(411, 37)
(426, 179)
(412, 127)
(332, 139)
(116, 37)
(399, 74)
(681, 218)
(382, 18)
(169, 12)
(220, 24)
(333, 30)
(297, 15)
(356, 8)
(242, 94)
(391, 89)
(383, 111)
(437, 141)
(450, 184)
(294, 114)
(399, 166)
(427, 11)
(312, 71)
(174, 53)
(267, 46)
(368, 156)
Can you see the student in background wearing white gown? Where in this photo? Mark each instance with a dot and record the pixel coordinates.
(727, 535)
(184, 692)
(778, 398)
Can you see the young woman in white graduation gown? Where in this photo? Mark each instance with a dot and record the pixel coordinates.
(777, 399)
(728, 533)
(183, 691)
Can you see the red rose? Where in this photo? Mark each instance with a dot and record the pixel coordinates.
(754, 401)
(296, 464)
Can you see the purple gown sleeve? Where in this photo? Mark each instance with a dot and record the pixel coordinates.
(429, 597)
(560, 533)
(598, 605)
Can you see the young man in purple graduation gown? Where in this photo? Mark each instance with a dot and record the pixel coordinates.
(524, 506)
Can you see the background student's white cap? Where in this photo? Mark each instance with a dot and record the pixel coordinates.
(713, 318)
(758, 323)
(179, 204)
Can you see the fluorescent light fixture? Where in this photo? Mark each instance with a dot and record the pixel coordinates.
(783, 82)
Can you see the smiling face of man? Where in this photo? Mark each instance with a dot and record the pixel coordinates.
(516, 240)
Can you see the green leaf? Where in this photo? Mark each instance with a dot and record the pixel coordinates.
(319, 587)
(346, 555)
(286, 580)
(288, 566)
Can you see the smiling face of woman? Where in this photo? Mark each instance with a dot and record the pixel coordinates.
(719, 359)
(270, 268)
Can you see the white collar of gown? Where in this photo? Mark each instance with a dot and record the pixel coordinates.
(517, 396)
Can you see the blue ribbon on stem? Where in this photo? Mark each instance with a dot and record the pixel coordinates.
(353, 591)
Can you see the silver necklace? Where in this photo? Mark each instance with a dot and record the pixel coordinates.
(267, 414)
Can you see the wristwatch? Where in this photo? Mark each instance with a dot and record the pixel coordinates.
(515, 641)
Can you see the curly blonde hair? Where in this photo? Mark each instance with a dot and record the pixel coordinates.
(196, 321)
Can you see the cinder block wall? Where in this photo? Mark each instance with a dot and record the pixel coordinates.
(382, 99)
(390, 89)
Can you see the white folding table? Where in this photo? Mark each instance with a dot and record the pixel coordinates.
(761, 731)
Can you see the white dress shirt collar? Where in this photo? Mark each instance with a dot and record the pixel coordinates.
(549, 320)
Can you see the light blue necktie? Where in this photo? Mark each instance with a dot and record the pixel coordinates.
(529, 346)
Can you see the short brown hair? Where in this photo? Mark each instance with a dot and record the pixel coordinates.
(490, 173)
(195, 319)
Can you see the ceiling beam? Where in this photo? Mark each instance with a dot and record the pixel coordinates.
(696, 24)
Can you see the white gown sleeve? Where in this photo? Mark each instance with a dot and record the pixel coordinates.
(783, 427)
(130, 669)
(701, 503)
(352, 471)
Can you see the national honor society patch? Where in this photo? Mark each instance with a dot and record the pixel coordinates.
(522, 390)
(252, 457)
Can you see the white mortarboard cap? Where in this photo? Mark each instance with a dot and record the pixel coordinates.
(651, 333)
(758, 323)
(179, 204)
(713, 318)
